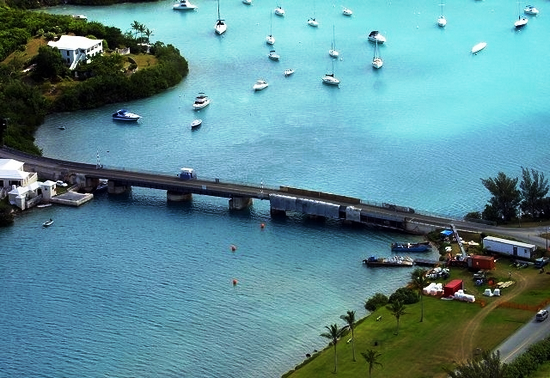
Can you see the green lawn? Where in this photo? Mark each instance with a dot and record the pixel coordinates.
(423, 349)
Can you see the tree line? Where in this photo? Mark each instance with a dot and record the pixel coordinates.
(510, 201)
(104, 80)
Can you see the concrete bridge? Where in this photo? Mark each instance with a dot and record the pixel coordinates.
(282, 199)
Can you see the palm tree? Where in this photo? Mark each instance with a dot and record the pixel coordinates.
(349, 318)
(334, 333)
(397, 309)
(371, 356)
(419, 281)
(137, 27)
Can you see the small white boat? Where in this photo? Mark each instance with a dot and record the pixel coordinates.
(279, 11)
(196, 124)
(201, 101)
(529, 9)
(247, 2)
(441, 21)
(42, 205)
(220, 27)
(480, 46)
(330, 79)
(61, 127)
(125, 115)
(346, 11)
(47, 223)
(375, 36)
(520, 22)
(270, 39)
(260, 84)
(273, 55)
(288, 72)
(313, 22)
(333, 52)
(184, 5)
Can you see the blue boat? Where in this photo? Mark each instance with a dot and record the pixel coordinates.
(410, 247)
(125, 115)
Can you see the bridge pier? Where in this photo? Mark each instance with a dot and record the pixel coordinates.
(118, 188)
(276, 213)
(90, 184)
(178, 196)
(240, 203)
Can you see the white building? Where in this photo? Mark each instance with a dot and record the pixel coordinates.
(75, 49)
(12, 173)
(509, 247)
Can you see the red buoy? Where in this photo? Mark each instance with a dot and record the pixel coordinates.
(262, 226)
(233, 247)
(235, 282)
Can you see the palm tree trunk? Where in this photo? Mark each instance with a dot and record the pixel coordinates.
(353, 346)
(335, 360)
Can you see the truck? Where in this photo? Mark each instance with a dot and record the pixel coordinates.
(541, 261)
(187, 174)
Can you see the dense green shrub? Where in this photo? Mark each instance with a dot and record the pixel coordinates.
(375, 302)
(405, 295)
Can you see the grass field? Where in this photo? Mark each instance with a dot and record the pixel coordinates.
(451, 332)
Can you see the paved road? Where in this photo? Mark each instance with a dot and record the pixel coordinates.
(520, 341)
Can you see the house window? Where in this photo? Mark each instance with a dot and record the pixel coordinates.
(67, 53)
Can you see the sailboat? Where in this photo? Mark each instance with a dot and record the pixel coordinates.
(220, 26)
(329, 78)
(377, 61)
(270, 39)
(333, 52)
(312, 21)
(441, 21)
(521, 21)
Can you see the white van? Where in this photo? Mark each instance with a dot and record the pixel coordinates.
(187, 174)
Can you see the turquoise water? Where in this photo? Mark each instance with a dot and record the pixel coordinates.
(134, 286)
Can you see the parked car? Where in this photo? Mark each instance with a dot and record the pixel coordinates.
(541, 315)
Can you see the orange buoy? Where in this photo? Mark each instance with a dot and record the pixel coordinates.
(235, 282)
(233, 247)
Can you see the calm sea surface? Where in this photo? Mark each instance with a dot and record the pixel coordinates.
(135, 286)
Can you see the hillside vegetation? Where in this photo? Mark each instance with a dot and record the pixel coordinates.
(34, 81)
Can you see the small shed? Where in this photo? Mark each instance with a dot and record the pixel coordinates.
(481, 262)
(452, 287)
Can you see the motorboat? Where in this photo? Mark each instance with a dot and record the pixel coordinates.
(478, 47)
(273, 55)
(61, 127)
(247, 2)
(201, 101)
(48, 223)
(410, 247)
(220, 27)
(279, 11)
(347, 11)
(184, 5)
(125, 115)
(289, 71)
(529, 9)
(375, 36)
(196, 124)
(260, 84)
(313, 22)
